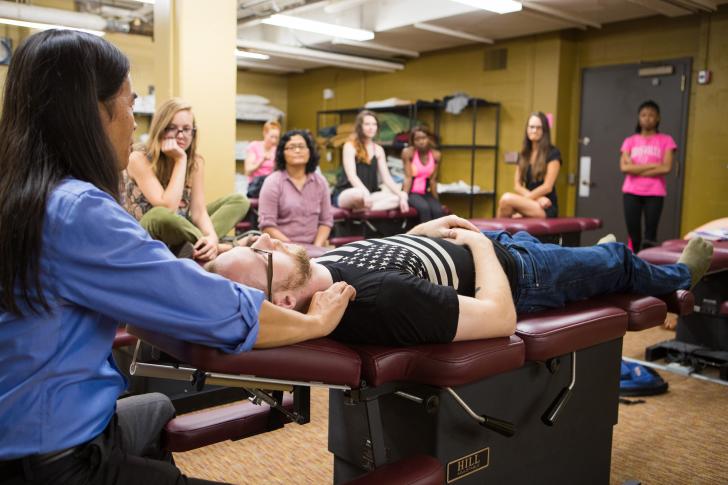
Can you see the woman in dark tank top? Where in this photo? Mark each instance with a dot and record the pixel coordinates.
(363, 164)
(538, 167)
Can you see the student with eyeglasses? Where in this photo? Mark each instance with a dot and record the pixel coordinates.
(165, 187)
(294, 203)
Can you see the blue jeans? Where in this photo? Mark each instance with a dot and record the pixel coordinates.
(549, 275)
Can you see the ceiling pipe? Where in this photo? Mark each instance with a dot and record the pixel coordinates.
(54, 16)
(312, 55)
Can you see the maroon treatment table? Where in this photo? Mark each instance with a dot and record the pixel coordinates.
(540, 403)
(565, 231)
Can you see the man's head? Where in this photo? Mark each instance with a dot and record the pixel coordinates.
(291, 270)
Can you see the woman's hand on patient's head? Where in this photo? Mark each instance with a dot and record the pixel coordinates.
(205, 249)
(328, 306)
(171, 149)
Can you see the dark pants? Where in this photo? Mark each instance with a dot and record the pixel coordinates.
(634, 207)
(550, 276)
(427, 206)
(127, 452)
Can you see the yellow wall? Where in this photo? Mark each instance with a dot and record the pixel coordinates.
(544, 74)
(529, 83)
(706, 175)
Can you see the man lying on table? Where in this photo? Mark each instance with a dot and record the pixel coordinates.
(445, 281)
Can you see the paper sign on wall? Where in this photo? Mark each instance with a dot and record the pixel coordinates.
(584, 176)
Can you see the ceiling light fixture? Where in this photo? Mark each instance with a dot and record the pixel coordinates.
(43, 26)
(317, 27)
(251, 55)
(497, 6)
(150, 2)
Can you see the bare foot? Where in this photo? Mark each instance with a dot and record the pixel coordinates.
(670, 321)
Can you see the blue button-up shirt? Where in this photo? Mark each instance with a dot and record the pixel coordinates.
(58, 381)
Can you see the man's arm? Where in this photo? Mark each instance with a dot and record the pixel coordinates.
(490, 312)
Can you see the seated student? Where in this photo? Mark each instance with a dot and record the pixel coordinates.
(420, 179)
(260, 161)
(75, 264)
(538, 167)
(363, 164)
(165, 187)
(445, 281)
(294, 203)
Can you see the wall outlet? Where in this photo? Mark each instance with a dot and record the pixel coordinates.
(704, 76)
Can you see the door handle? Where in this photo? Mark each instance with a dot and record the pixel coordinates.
(588, 184)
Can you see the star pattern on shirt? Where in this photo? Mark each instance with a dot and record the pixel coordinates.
(384, 257)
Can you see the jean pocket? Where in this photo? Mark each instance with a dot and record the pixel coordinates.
(529, 277)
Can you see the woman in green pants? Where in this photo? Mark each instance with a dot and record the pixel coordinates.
(165, 187)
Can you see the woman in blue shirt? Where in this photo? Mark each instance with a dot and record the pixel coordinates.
(75, 264)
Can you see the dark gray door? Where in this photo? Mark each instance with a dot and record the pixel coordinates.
(609, 102)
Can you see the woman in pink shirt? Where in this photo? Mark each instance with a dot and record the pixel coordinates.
(420, 174)
(261, 157)
(646, 159)
(294, 203)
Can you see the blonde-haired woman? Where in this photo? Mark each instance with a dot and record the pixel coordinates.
(538, 167)
(363, 164)
(165, 186)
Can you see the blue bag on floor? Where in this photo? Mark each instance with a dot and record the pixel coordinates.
(639, 380)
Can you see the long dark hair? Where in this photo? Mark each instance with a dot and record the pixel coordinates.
(51, 129)
(313, 156)
(539, 167)
(652, 105)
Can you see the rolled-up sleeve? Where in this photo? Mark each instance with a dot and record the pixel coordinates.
(268, 201)
(100, 258)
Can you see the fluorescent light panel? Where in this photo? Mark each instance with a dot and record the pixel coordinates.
(497, 6)
(323, 28)
(40, 26)
(150, 2)
(251, 55)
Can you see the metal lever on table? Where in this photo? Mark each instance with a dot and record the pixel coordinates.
(500, 426)
(554, 410)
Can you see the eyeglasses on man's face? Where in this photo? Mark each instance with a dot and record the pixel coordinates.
(268, 271)
(174, 131)
(295, 147)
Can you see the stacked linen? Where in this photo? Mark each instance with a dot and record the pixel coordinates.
(255, 108)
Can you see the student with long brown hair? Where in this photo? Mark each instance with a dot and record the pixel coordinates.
(363, 163)
(538, 167)
(165, 186)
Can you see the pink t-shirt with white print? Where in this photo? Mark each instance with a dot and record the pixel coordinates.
(646, 150)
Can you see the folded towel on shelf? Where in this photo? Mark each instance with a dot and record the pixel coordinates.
(459, 187)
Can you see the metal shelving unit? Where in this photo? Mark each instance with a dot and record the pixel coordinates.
(412, 112)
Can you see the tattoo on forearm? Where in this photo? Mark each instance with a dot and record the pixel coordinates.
(476, 291)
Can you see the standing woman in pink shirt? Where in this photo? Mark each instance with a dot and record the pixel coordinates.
(646, 159)
(294, 203)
